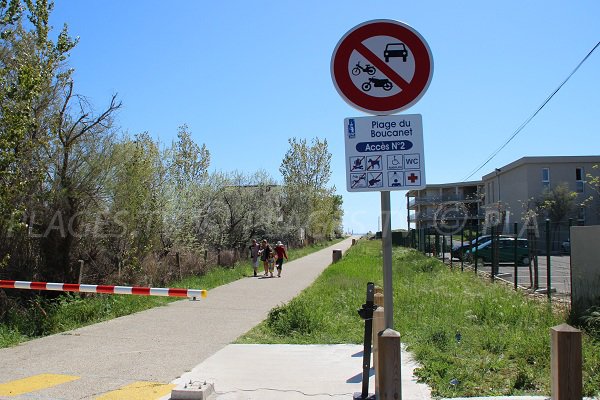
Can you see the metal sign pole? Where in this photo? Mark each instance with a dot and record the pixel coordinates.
(386, 238)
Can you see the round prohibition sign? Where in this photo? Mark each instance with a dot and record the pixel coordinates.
(411, 86)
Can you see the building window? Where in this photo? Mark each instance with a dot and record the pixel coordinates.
(546, 178)
(581, 216)
(579, 180)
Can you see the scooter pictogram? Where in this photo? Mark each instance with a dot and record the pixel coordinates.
(369, 69)
(382, 83)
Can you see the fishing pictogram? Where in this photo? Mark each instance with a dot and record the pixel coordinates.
(358, 180)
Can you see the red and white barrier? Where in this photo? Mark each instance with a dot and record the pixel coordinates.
(74, 287)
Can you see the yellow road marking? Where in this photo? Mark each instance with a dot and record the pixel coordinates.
(33, 383)
(139, 391)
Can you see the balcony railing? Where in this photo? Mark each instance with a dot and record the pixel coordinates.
(431, 215)
(442, 199)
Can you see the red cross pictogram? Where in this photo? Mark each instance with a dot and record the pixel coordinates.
(412, 177)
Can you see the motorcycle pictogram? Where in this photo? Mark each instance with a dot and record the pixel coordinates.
(382, 83)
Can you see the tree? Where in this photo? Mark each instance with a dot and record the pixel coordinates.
(189, 162)
(73, 180)
(252, 208)
(33, 104)
(308, 202)
(135, 219)
(593, 182)
(188, 190)
(558, 203)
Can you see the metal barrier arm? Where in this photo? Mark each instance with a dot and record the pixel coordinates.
(106, 289)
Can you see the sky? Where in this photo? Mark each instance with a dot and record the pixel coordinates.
(245, 76)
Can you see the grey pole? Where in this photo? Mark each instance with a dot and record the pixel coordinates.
(386, 238)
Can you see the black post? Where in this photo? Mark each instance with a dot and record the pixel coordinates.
(462, 251)
(548, 250)
(443, 248)
(366, 313)
(451, 251)
(429, 243)
(476, 246)
(493, 269)
(515, 255)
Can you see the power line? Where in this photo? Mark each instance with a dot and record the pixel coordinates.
(520, 128)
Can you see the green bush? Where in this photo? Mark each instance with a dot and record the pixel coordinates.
(292, 319)
(591, 321)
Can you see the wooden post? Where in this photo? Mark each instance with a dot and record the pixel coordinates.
(178, 262)
(378, 326)
(566, 362)
(353, 242)
(390, 382)
(337, 256)
(378, 299)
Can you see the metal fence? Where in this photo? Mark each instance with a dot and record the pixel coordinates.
(526, 257)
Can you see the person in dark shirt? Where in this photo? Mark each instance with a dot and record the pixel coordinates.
(280, 250)
(265, 254)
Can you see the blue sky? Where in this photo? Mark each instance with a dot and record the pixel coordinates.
(246, 76)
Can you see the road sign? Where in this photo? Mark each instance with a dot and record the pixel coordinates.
(382, 67)
(384, 153)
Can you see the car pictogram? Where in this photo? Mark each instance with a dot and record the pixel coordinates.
(395, 50)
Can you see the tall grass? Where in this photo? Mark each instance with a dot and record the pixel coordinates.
(471, 337)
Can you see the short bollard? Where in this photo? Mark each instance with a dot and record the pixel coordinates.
(337, 255)
(353, 242)
(378, 300)
(378, 326)
(566, 362)
(366, 313)
(390, 382)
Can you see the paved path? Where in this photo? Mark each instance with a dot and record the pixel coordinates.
(156, 345)
(560, 273)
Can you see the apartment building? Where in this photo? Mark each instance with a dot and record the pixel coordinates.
(507, 193)
(448, 204)
(518, 185)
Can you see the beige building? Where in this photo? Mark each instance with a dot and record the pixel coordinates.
(452, 205)
(516, 186)
(503, 196)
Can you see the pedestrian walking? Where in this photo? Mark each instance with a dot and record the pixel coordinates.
(271, 263)
(281, 253)
(265, 254)
(254, 254)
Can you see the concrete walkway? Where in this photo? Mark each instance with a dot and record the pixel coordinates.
(162, 344)
(190, 341)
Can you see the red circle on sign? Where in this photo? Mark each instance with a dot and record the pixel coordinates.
(411, 91)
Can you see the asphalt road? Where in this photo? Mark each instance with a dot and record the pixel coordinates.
(560, 273)
(147, 350)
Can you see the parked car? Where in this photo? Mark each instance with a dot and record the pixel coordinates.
(565, 247)
(458, 250)
(506, 251)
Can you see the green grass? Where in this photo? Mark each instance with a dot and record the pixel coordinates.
(504, 346)
(39, 316)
